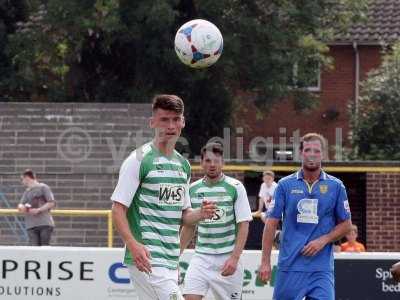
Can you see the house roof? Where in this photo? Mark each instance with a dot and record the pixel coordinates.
(381, 26)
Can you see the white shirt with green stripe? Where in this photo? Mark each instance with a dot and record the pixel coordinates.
(155, 188)
(218, 235)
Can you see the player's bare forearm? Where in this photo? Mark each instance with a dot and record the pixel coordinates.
(186, 235)
(140, 254)
(121, 223)
(339, 231)
(241, 238)
(314, 246)
(231, 263)
(192, 216)
(268, 239)
(265, 271)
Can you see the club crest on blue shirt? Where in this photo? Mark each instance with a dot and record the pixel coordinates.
(323, 188)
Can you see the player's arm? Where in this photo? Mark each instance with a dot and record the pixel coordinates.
(274, 215)
(339, 231)
(242, 218)
(230, 265)
(192, 216)
(343, 217)
(140, 254)
(267, 242)
(186, 235)
(122, 197)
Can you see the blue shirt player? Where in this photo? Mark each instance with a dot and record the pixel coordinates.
(315, 212)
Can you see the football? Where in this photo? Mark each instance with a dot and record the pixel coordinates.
(198, 43)
(395, 270)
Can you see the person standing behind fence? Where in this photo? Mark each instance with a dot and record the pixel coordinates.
(266, 193)
(36, 203)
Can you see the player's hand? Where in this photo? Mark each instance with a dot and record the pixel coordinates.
(264, 272)
(395, 270)
(314, 246)
(141, 257)
(230, 266)
(207, 209)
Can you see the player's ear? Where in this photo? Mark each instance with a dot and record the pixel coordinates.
(183, 122)
(151, 122)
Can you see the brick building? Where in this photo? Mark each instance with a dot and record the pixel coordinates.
(354, 53)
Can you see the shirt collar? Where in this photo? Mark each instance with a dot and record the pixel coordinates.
(300, 175)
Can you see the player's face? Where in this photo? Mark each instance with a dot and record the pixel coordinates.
(168, 125)
(311, 155)
(212, 164)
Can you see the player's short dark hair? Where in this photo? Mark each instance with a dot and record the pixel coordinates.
(168, 102)
(29, 173)
(215, 148)
(312, 137)
(269, 173)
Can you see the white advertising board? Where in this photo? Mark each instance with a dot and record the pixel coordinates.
(68, 273)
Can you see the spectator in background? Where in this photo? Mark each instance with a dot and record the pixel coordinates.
(36, 203)
(352, 245)
(266, 193)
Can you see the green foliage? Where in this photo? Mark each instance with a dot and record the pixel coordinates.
(376, 126)
(122, 50)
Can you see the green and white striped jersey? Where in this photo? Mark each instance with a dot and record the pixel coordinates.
(155, 188)
(218, 235)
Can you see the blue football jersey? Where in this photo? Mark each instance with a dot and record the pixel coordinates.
(307, 212)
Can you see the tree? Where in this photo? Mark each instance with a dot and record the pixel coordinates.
(110, 50)
(11, 12)
(376, 124)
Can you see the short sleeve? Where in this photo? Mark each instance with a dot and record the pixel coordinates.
(242, 206)
(277, 204)
(128, 181)
(186, 200)
(342, 209)
(48, 194)
(24, 198)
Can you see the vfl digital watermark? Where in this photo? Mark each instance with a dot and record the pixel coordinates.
(75, 145)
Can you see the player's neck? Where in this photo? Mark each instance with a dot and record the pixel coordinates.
(166, 148)
(212, 180)
(311, 176)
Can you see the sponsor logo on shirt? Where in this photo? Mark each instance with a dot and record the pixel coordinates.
(297, 191)
(218, 217)
(171, 193)
(308, 211)
(323, 188)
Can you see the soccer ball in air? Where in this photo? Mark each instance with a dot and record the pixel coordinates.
(198, 43)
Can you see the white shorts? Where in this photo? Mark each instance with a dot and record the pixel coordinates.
(160, 284)
(204, 274)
